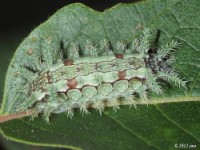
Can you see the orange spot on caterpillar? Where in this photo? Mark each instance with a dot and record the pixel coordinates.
(68, 62)
(120, 56)
(72, 83)
(122, 75)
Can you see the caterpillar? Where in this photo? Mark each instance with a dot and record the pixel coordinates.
(97, 74)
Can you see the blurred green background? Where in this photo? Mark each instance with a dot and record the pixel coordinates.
(17, 20)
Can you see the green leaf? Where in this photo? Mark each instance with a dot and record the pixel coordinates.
(164, 124)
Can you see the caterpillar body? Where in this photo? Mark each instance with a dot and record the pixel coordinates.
(100, 76)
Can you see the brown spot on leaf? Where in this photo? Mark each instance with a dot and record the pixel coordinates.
(29, 51)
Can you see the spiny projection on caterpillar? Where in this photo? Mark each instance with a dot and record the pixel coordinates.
(96, 74)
